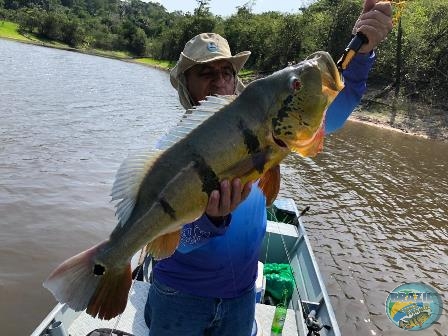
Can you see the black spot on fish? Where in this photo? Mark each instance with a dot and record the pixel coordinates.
(99, 269)
(281, 114)
(208, 177)
(167, 208)
(259, 160)
(250, 139)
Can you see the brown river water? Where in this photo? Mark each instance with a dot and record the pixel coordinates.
(379, 209)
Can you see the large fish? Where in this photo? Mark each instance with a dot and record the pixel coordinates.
(224, 138)
(414, 321)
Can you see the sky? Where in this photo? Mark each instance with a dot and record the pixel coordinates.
(228, 7)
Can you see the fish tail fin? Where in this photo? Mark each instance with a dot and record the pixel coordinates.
(82, 283)
(164, 246)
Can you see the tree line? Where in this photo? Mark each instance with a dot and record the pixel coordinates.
(419, 70)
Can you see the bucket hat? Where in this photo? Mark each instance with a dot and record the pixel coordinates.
(205, 48)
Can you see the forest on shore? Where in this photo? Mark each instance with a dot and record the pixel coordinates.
(411, 69)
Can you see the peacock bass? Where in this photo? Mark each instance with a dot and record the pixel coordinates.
(158, 192)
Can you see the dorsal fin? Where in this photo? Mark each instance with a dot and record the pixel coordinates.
(127, 182)
(193, 118)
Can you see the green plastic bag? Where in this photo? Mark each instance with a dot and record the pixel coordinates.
(279, 280)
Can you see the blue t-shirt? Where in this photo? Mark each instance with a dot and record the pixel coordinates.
(221, 265)
(221, 262)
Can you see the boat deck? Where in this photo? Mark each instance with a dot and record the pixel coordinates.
(132, 320)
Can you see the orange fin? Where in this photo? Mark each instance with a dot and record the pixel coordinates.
(81, 283)
(164, 246)
(270, 184)
(111, 295)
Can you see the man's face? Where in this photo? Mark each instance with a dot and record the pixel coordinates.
(214, 78)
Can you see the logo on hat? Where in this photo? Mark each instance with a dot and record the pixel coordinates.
(414, 306)
(212, 47)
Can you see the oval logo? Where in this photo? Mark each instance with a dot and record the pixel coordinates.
(212, 47)
(413, 306)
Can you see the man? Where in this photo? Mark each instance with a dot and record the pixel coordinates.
(207, 286)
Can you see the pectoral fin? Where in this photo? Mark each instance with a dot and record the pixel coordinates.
(164, 246)
(270, 184)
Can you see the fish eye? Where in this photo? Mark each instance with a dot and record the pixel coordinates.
(296, 84)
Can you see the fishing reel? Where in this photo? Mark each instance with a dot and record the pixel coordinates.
(313, 325)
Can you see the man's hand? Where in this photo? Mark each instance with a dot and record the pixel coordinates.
(375, 22)
(222, 202)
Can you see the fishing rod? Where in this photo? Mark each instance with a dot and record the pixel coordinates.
(360, 38)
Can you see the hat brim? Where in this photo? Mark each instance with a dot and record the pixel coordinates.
(185, 63)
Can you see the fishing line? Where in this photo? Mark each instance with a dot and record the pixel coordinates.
(400, 8)
(267, 248)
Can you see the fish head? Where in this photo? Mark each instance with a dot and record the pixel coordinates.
(298, 120)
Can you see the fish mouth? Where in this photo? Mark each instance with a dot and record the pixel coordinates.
(331, 78)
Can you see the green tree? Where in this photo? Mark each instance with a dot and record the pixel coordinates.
(30, 20)
(181, 29)
(344, 15)
(73, 33)
(52, 24)
(288, 41)
(138, 42)
(425, 26)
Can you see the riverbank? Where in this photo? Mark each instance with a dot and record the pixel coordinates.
(9, 31)
(408, 117)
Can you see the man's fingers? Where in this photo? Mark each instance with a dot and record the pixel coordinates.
(372, 36)
(236, 194)
(246, 190)
(375, 24)
(225, 201)
(213, 204)
(384, 7)
(368, 5)
(381, 17)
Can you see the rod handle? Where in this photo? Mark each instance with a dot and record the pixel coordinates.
(350, 51)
